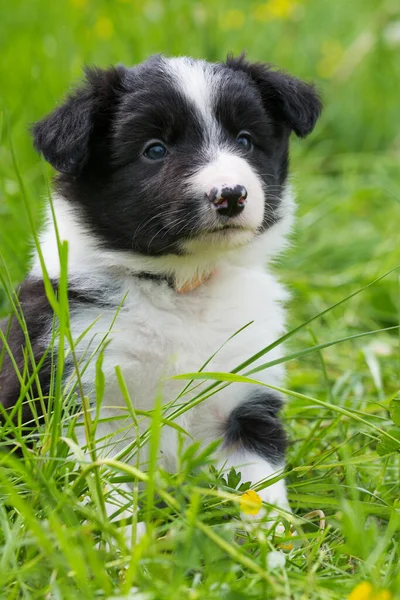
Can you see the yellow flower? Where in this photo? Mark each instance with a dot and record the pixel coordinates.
(104, 28)
(233, 19)
(287, 546)
(250, 502)
(275, 9)
(365, 591)
(281, 532)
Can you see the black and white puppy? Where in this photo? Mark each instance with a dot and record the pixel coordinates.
(172, 194)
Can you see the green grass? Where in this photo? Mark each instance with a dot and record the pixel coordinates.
(343, 459)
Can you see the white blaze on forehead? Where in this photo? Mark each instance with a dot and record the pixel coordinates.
(198, 82)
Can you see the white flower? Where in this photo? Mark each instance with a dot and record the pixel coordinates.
(276, 560)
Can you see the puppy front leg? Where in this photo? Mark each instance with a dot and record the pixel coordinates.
(255, 443)
(256, 470)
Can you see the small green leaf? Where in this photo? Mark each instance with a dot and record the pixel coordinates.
(394, 409)
(234, 478)
(386, 445)
(244, 486)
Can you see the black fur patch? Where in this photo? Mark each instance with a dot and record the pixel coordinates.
(38, 316)
(255, 425)
(288, 100)
(156, 278)
(67, 136)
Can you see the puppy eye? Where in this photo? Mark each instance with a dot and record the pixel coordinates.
(244, 140)
(155, 151)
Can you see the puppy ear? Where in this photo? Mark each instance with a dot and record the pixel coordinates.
(290, 100)
(63, 136)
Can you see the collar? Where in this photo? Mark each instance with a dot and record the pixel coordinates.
(188, 286)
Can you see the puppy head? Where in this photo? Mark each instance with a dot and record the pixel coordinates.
(175, 155)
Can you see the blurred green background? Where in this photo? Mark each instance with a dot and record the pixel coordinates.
(346, 173)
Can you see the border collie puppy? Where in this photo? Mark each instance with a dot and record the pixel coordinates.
(172, 194)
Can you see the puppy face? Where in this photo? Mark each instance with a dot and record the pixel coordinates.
(177, 154)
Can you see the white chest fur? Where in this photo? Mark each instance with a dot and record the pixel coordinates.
(159, 332)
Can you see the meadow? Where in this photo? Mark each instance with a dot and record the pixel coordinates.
(342, 354)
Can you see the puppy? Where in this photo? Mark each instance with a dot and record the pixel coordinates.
(172, 195)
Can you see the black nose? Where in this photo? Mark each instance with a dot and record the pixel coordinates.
(230, 201)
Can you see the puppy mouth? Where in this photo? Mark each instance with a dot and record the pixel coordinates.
(228, 227)
(225, 224)
(222, 236)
